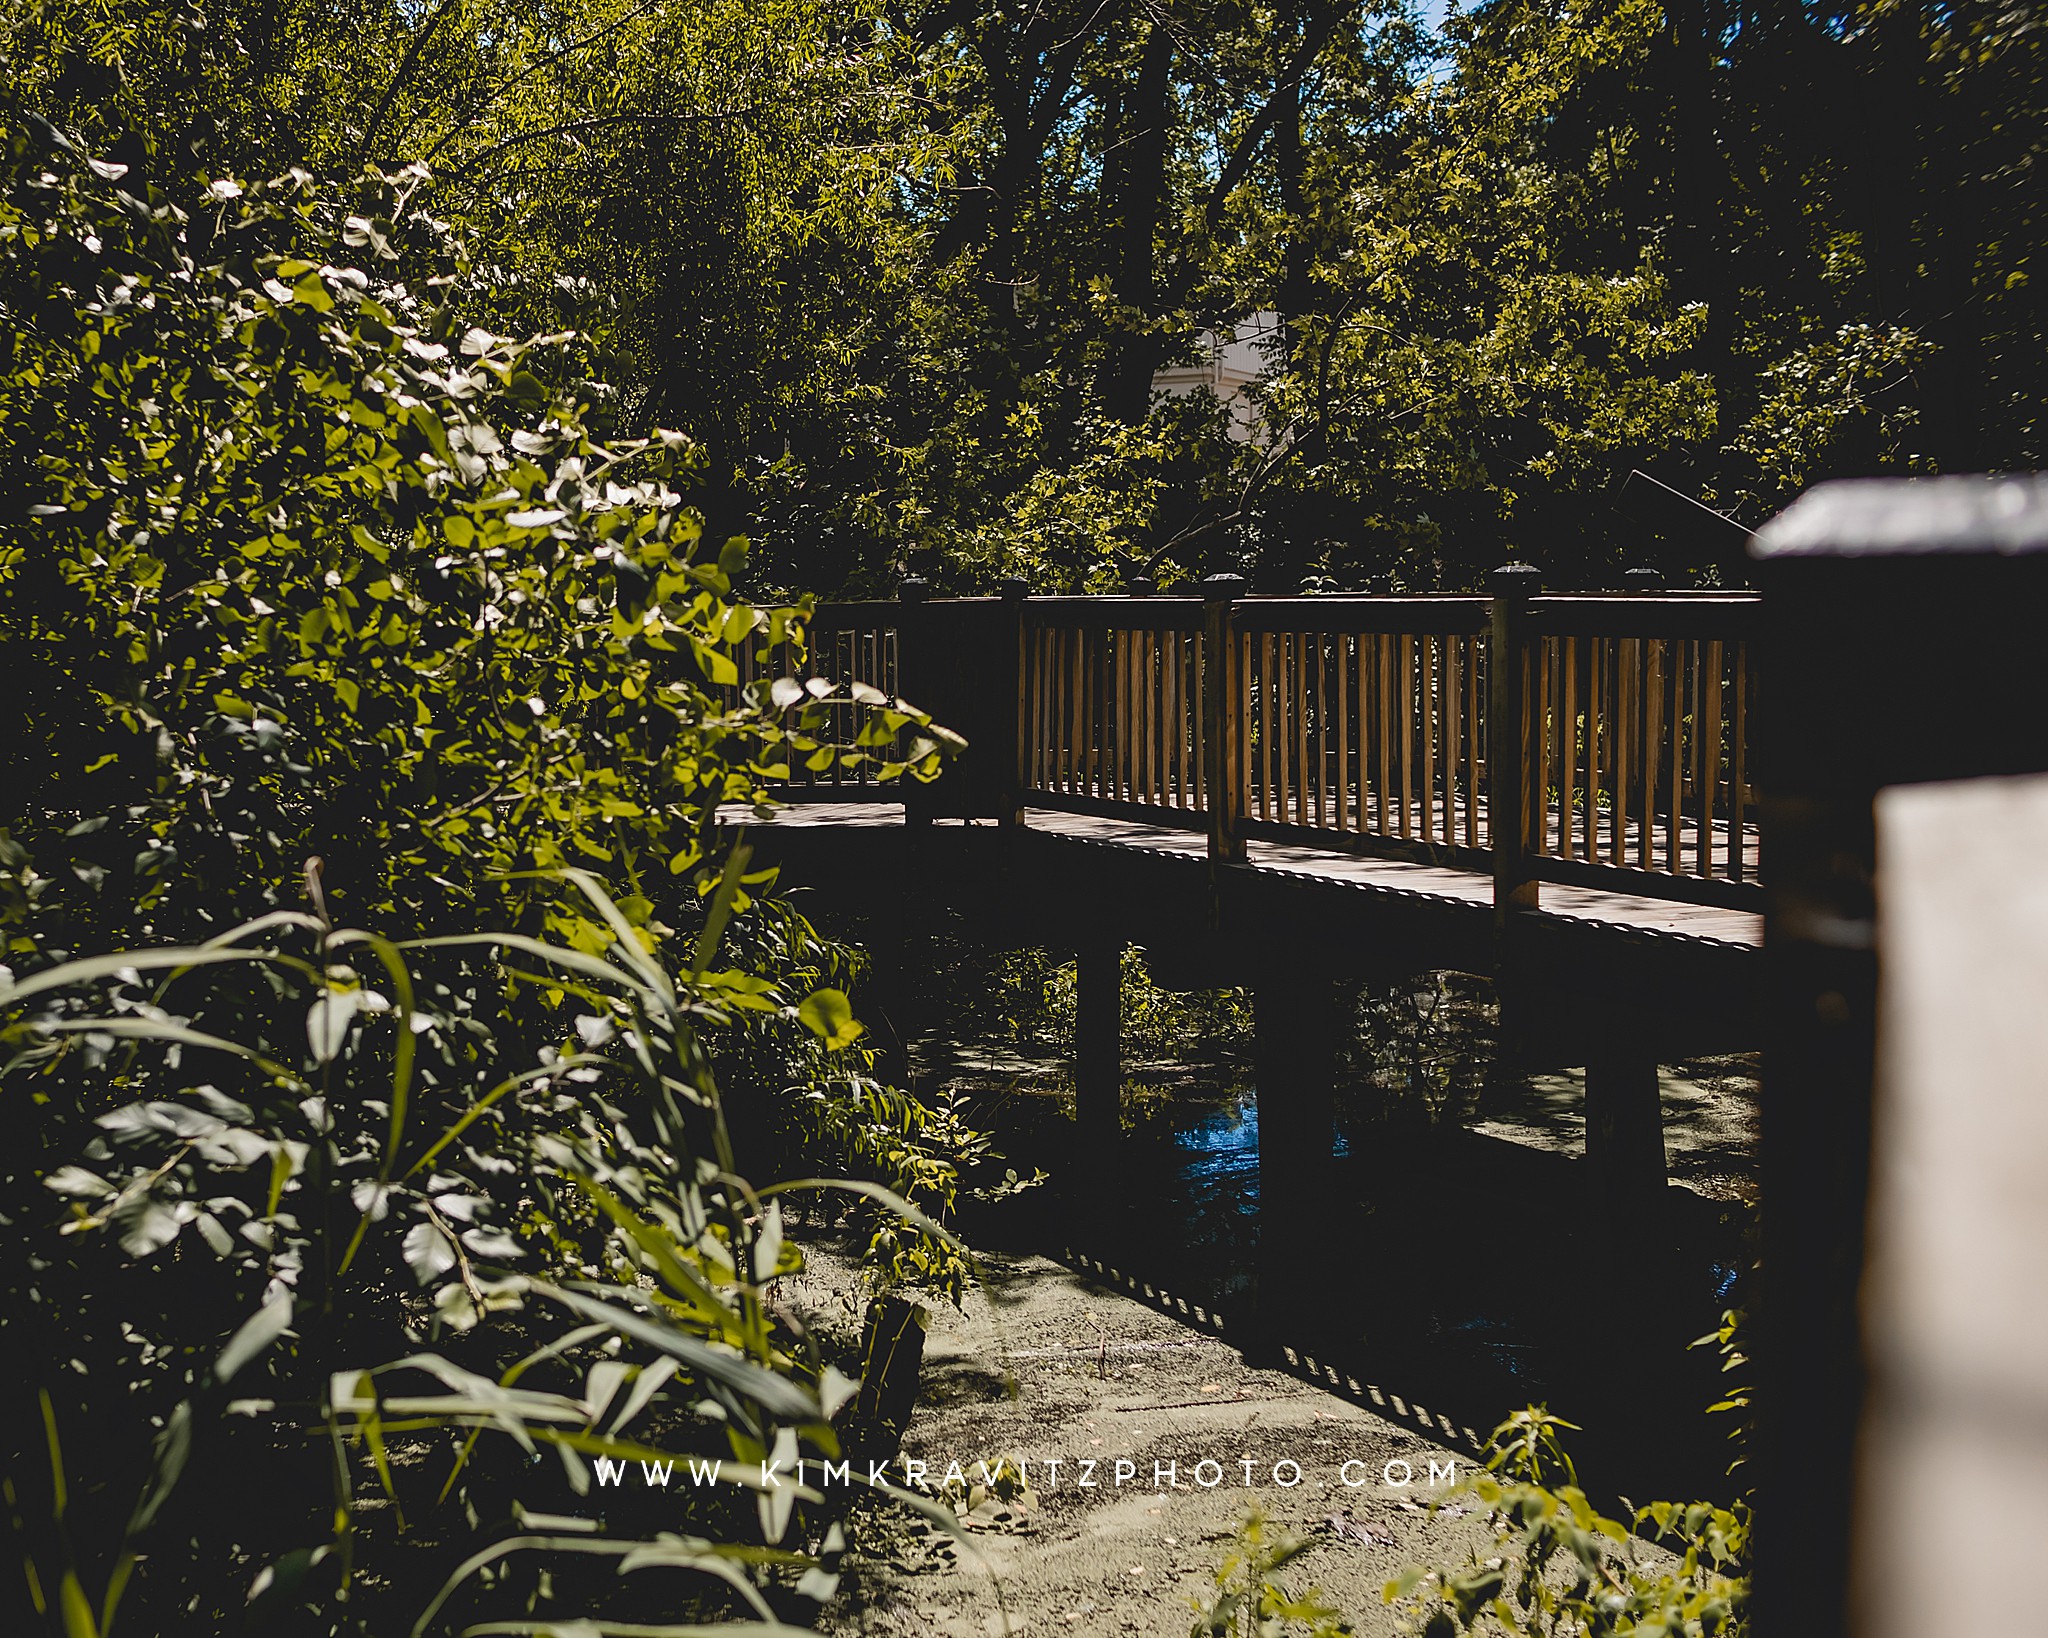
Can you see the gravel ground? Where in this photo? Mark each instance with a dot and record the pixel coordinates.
(1045, 1366)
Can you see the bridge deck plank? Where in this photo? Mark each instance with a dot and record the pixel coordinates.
(1569, 904)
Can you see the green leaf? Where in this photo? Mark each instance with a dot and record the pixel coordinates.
(257, 1333)
(829, 1015)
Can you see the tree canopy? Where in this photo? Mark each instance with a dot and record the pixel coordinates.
(907, 270)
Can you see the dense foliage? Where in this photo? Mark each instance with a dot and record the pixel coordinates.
(907, 269)
(376, 715)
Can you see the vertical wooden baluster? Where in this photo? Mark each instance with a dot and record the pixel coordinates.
(1155, 705)
(1343, 732)
(1265, 725)
(1156, 693)
(1452, 646)
(1628, 663)
(1368, 672)
(1287, 699)
(1106, 704)
(1143, 697)
(1131, 733)
(1170, 793)
(1546, 745)
(1047, 722)
(1087, 736)
(1300, 695)
(1710, 751)
(1077, 751)
(1475, 691)
(1048, 694)
(1568, 749)
(1695, 755)
(1070, 714)
(1063, 708)
(1153, 679)
(1322, 780)
(1187, 686)
(1738, 836)
(1368, 664)
(1386, 646)
(1116, 713)
(1405, 706)
(1427, 665)
(1115, 736)
(1596, 714)
(1109, 737)
(1198, 684)
(1286, 712)
(1676, 762)
(1653, 729)
(1087, 705)
(1283, 695)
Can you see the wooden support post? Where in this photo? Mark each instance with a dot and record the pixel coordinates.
(1510, 742)
(1624, 1131)
(1297, 1019)
(1017, 767)
(1901, 644)
(1098, 1048)
(1223, 727)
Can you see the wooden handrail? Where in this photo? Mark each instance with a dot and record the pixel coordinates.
(1596, 740)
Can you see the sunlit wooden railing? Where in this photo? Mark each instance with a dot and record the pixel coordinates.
(1364, 724)
(1642, 759)
(1112, 714)
(1364, 720)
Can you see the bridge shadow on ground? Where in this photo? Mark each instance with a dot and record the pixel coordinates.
(1450, 1279)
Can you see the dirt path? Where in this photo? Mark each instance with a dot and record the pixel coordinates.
(1045, 1367)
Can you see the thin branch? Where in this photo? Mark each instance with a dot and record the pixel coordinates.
(405, 68)
(476, 108)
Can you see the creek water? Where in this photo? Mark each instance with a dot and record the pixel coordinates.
(1458, 1271)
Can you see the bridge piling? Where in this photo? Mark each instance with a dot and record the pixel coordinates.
(1297, 1018)
(1624, 1130)
(1098, 1046)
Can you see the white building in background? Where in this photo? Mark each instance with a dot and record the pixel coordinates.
(1227, 363)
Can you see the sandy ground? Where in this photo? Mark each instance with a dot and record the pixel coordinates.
(1047, 1366)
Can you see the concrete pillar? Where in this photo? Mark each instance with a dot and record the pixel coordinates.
(1098, 1045)
(1297, 1018)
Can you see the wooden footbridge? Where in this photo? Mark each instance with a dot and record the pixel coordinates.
(1563, 793)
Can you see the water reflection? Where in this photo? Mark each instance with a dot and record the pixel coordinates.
(1452, 1267)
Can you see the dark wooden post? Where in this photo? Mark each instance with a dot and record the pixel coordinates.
(1017, 774)
(1297, 1019)
(1901, 644)
(1223, 727)
(1624, 1129)
(1510, 795)
(1098, 1046)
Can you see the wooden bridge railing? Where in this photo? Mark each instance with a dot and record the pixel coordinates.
(849, 643)
(1364, 724)
(1112, 715)
(1643, 760)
